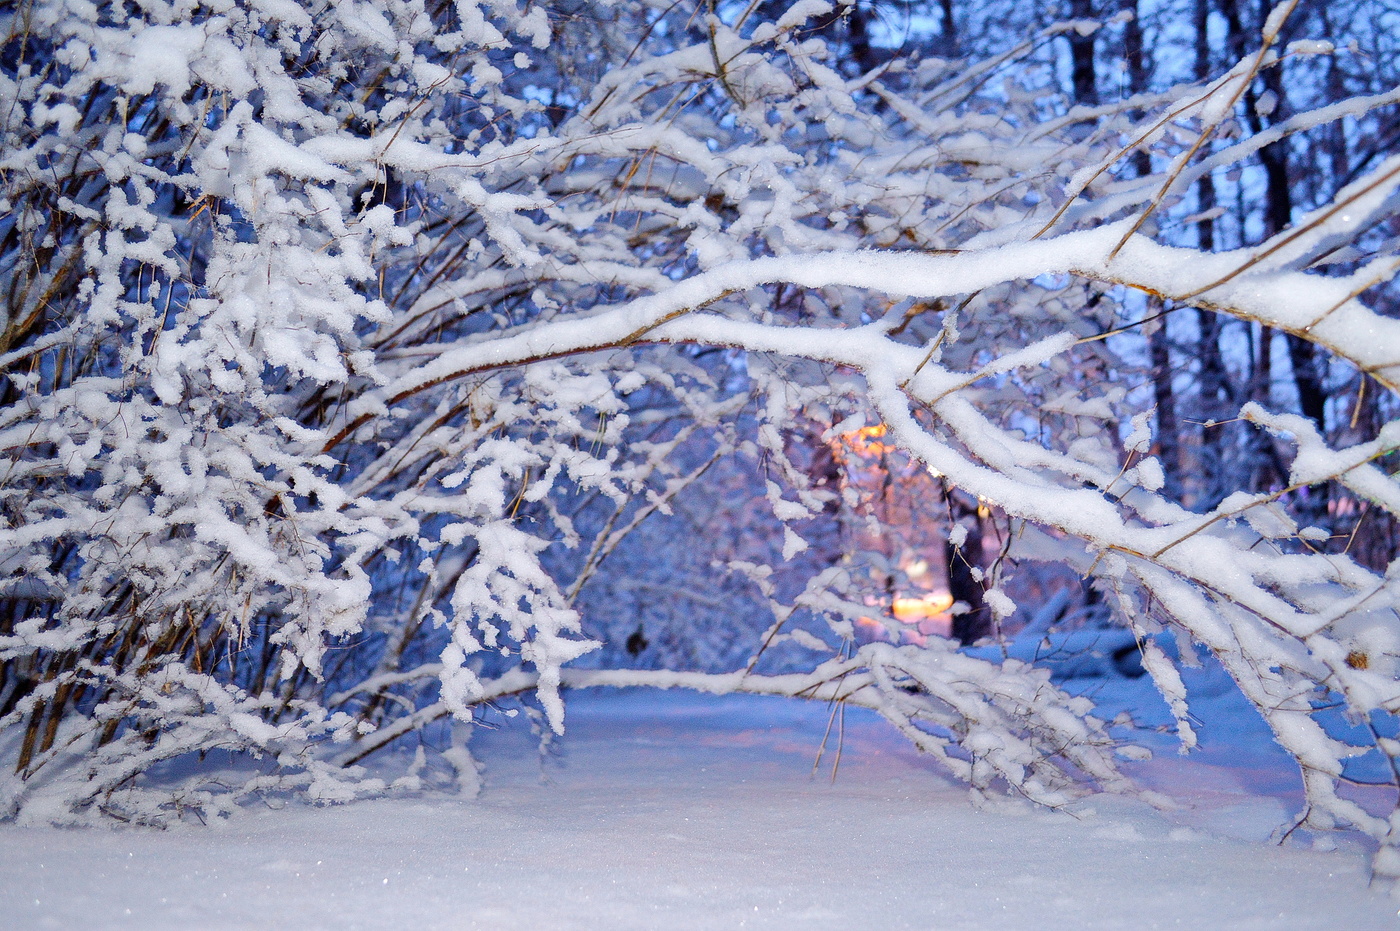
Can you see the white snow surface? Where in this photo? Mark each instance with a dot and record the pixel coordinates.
(681, 811)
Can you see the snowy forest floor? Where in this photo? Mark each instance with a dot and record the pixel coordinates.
(680, 811)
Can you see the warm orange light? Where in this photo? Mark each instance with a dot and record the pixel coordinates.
(922, 617)
(913, 610)
(863, 441)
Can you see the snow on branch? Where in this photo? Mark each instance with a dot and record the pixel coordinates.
(367, 368)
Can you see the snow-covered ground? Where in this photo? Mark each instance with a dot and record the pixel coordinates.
(680, 811)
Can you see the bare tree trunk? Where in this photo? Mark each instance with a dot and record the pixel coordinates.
(1164, 396)
(1158, 339)
(858, 30)
(1278, 214)
(964, 563)
(1081, 54)
(1212, 384)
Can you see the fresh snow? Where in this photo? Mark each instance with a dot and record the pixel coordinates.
(683, 811)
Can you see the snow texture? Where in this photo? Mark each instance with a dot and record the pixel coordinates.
(692, 812)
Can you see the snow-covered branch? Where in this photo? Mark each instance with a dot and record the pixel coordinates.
(350, 353)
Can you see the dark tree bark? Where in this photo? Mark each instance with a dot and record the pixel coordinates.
(1278, 202)
(1278, 214)
(1373, 534)
(963, 583)
(858, 31)
(1212, 386)
(1168, 443)
(1158, 339)
(1081, 55)
(950, 29)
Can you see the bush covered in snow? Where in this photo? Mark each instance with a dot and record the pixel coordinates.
(349, 347)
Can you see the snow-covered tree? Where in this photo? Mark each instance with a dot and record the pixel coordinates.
(347, 345)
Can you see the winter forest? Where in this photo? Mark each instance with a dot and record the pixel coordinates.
(372, 368)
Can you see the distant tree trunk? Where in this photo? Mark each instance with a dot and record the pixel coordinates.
(1159, 345)
(1373, 533)
(950, 29)
(1137, 61)
(1081, 56)
(858, 26)
(1212, 385)
(965, 584)
(1164, 396)
(817, 460)
(1307, 378)
(1278, 214)
(1338, 148)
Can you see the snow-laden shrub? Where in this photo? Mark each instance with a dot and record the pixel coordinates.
(347, 344)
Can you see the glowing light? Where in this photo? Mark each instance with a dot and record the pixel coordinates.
(913, 610)
(865, 441)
